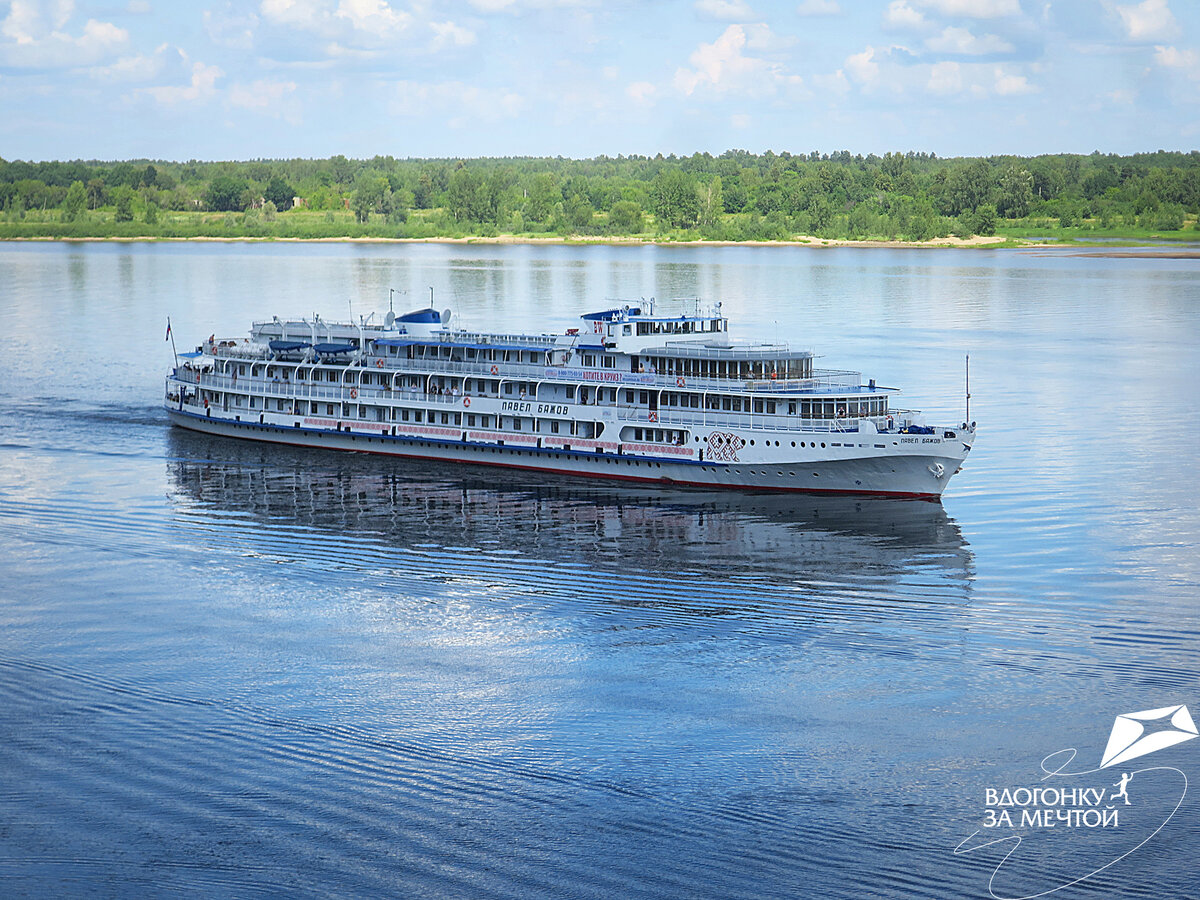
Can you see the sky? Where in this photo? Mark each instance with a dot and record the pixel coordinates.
(213, 79)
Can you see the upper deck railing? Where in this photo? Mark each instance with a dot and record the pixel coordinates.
(823, 380)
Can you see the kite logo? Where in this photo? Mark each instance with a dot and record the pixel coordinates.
(1132, 735)
(1084, 802)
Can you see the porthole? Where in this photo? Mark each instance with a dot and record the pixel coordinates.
(822, 445)
(751, 443)
(793, 443)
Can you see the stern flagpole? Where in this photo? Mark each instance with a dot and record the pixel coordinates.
(968, 389)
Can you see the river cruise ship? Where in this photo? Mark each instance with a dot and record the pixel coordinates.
(630, 394)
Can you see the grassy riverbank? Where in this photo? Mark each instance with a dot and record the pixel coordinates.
(433, 225)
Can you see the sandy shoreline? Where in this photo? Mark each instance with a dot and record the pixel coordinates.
(993, 241)
(580, 240)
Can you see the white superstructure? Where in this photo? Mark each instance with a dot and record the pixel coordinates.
(630, 394)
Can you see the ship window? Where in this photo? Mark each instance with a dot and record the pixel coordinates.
(643, 397)
(637, 434)
(771, 406)
(608, 362)
(726, 404)
(445, 418)
(458, 418)
(758, 406)
(516, 424)
(629, 396)
(508, 388)
(554, 428)
(626, 330)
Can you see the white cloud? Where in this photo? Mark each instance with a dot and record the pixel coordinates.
(975, 9)
(334, 51)
(307, 14)
(739, 121)
(260, 94)
(35, 38)
(516, 6)
(736, 10)
(1148, 21)
(231, 28)
(833, 86)
(724, 67)
(900, 15)
(463, 104)
(447, 34)
(961, 41)
(818, 8)
(139, 68)
(373, 18)
(862, 67)
(61, 12)
(1010, 85)
(641, 92)
(945, 78)
(201, 87)
(138, 7)
(1186, 61)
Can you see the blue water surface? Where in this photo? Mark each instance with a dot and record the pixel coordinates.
(229, 669)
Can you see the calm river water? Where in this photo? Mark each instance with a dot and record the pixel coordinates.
(233, 670)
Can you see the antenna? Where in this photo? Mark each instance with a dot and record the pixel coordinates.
(171, 335)
(968, 388)
(431, 296)
(391, 294)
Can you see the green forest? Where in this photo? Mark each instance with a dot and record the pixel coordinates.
(737, 196)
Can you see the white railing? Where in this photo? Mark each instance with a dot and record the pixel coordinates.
(592, 377)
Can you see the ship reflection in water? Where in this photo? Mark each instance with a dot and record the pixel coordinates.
(699, 552)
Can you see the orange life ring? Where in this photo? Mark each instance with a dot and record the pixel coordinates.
(466, 401)
(653, 417)
(379, 363)
(679, 382)
(495, 370)
(353, 394)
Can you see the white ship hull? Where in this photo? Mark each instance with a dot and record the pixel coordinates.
(891, 465)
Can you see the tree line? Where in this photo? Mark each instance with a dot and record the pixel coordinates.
(735, 196)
